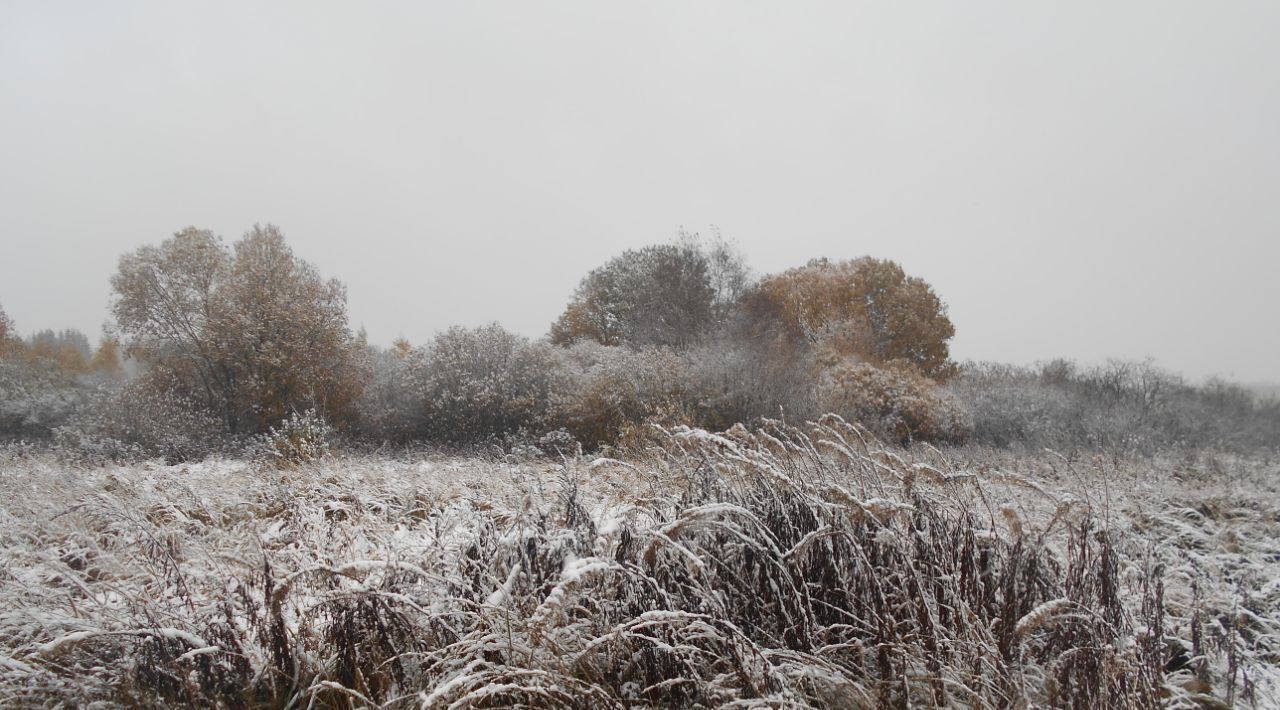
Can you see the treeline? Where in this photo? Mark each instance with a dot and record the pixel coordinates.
(1119, 405)
(214, 347)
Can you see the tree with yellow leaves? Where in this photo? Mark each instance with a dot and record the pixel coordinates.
(866, 308)
(105, 362)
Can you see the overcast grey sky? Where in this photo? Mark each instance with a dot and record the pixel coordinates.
(1076, 179)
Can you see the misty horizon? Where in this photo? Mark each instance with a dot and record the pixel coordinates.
(1074, 183)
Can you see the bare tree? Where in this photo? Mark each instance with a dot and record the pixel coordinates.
(727, 271)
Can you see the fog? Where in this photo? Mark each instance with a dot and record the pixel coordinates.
(1075, 180)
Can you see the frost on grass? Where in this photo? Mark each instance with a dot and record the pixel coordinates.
(780, 567)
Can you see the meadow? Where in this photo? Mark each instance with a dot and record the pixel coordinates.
(786, 566)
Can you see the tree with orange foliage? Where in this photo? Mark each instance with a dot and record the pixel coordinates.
(106, 360)
(67, 349)
(866, 308)
(401, 348)
(71, 359)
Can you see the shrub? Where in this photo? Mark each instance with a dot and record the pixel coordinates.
(1132, 406)
(36, 397)
(1010, 405)
(138, 419)
(301, 438)
(472, 384)
(732, 381)
(611, 394)
(897, 404)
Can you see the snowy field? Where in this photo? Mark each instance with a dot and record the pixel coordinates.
(787, 568)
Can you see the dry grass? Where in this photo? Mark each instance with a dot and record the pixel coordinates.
(778, 568)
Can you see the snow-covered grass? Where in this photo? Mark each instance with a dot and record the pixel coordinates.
(785, 567)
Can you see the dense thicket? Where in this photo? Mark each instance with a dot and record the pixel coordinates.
(44, 379)
(220, 345)
(1125, 405)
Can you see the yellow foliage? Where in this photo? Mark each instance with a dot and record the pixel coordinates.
(866, 308)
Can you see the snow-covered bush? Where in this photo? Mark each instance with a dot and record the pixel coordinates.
(1120, 405)
(740, 382)
(299, 439)
(560, 442)
(1011, 405)
(897, 404)
(138, 419)
(470, 384)
(36, 397)
(612, 393)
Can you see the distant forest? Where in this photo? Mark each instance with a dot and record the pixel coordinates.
(214, 348)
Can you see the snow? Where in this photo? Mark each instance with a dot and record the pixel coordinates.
(116, 556)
